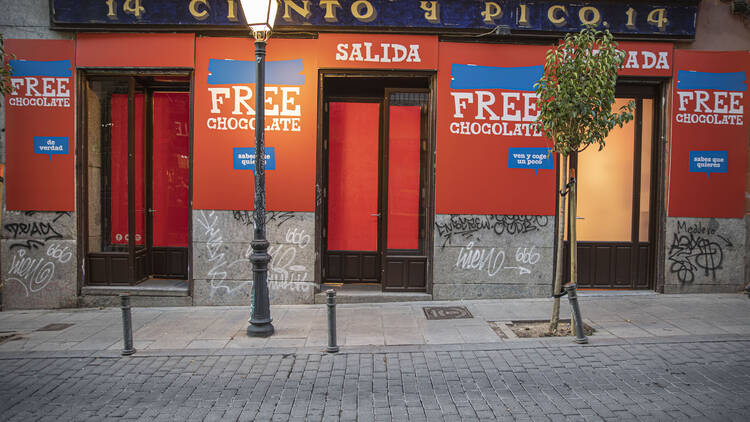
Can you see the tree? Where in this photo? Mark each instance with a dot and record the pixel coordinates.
(574, 100)
(5, 69)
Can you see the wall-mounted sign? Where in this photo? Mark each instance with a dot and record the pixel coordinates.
(40, 123)
(659, 18)
(225, 121)
(244, 158)
(646, 59)
(530, 158)
(51, 145)
(486, 110)
(710, 111)
(709, 162)
(381, 51)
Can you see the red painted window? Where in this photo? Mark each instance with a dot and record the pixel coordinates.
(353, 177)
(171, 168)
(403, 177)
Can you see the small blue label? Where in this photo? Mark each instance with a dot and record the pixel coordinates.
(709, 162)
(469, 76)
(283, 72)
(58, 68)
(244, 158)
(530, 158)
(51, 145)
(729, 81)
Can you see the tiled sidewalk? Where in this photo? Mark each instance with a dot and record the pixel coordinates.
(377, 325)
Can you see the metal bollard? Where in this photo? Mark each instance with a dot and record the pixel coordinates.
(127, 325)
(573, 299)
(331, 301)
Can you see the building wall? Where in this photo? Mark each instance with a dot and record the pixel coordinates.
(705, 255)
(721, 262)
(37, 249)
(475, 256)
(491, 256)
(222, 272)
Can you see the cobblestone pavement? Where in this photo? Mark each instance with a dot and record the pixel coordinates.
(663, 380)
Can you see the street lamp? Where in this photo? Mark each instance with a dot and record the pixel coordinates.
(260, 16)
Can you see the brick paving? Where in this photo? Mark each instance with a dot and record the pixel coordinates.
(659, 381)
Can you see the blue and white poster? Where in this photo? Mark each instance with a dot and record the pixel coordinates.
(244, 158)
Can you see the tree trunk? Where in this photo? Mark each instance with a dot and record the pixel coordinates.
(572, 241)
(555, 319)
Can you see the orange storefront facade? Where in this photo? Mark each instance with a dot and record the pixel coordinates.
(401, 156)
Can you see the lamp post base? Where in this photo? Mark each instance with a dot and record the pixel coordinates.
(264, 329)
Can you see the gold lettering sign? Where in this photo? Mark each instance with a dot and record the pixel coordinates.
(330, 8)
(363, 11)
(630, 13)
(231, 10)
(133, 7)
(201, 14)
(111, 9)
(491, 12)
(303, 11)
(589, 15)
(432, 11)
(557, 15)
(523, 15)
(658, 17)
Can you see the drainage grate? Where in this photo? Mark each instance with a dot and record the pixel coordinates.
(446, 312)
(54, 327)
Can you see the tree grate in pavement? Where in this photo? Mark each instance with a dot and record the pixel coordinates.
(446, 312)
(54, 327)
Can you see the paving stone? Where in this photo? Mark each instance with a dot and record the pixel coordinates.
(646, 380)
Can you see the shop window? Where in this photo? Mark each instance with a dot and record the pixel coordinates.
(137, 168)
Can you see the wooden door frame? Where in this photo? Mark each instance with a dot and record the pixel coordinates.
(320, 180)
(324, 173)
(655, 89)
(149, 168)
(384, 184)
(84, 74)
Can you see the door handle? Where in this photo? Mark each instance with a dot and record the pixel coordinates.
(375, 215)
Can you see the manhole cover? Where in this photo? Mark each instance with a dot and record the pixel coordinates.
(446, 312)
(54, 327)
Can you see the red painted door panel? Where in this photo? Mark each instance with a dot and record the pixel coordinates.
(353, 177)
(171, 175)
(403, 177)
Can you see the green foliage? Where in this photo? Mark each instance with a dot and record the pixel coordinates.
(5, 69)
(576, 92)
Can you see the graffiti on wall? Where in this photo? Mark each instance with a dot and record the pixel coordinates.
(276, 218)
(34, 250)
(286, 271)
(472, 234)
(493, 260)
(34, 234)
(697, 250)
(35, 273)
(463, 227)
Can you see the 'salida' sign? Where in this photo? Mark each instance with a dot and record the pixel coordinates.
(658, 18)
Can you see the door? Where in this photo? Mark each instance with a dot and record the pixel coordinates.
(376, 191)
(616, 196)
(137, 166)
(353, 196)
(169, 185)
